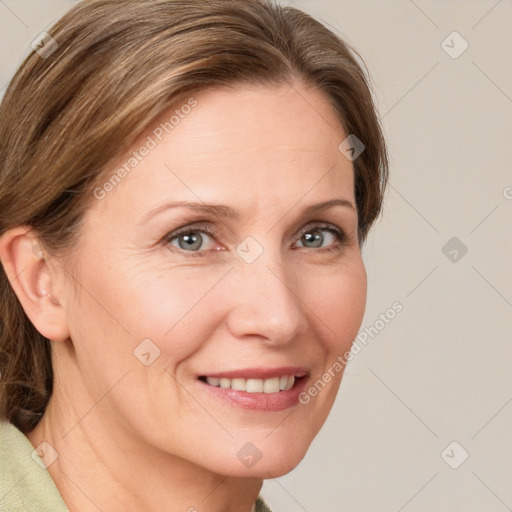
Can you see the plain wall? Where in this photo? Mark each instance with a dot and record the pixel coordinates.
(439, 371)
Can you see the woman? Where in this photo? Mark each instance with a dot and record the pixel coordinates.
(186, 188)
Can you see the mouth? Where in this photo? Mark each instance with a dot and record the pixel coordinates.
(272, 385)
(258, 389)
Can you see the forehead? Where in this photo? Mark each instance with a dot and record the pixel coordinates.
(250, 143)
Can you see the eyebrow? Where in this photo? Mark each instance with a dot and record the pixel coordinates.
(224, 211)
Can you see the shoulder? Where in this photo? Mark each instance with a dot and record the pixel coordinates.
(25, 483)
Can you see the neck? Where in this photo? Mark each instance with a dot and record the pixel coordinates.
(103, 467)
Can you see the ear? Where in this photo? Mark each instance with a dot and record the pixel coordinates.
(36, 281)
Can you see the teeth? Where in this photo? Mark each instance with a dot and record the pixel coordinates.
(238, 384)
(225, 383)
(273, 385)
(213, 381)
(254, 386)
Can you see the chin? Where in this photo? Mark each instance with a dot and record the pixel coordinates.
(269, 468)
(279, 467)
(270, 457)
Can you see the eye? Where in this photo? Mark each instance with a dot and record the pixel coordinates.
(190, 239)
(312, 237)
(193, 239)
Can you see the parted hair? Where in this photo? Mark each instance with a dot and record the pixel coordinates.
(111, 68)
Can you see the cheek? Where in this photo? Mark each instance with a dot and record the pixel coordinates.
(169, 308)
(338, 307)
(339, 302)
(173, 308)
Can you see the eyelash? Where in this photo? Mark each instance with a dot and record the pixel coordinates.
(338, 233)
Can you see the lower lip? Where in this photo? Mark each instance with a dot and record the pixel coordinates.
(268, 402)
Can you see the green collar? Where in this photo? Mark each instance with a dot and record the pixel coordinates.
(25, 483)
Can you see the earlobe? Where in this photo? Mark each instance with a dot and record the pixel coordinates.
(34, 280)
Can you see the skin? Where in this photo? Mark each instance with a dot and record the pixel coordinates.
(136, 437)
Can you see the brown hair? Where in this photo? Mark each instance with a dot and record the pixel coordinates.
(114, 67)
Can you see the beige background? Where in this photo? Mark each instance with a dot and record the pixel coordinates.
(440, 370)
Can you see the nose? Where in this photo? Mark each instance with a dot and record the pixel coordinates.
(266, 302)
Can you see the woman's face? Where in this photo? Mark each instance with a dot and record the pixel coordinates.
(166, 326)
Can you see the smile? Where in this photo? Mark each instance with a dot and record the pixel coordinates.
(273, 385)
(258, 389)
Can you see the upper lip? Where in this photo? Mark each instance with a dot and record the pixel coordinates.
(259, 373)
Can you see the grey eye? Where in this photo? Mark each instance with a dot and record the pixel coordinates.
(189, 241)
(313, 238)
